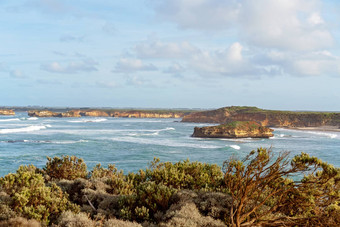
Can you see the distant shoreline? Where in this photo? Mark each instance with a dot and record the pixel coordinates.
(317, 129)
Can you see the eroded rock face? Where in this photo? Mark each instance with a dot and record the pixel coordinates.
(265, 117)
(236, 129)
(94, 113)
(6, 112)
(102, 113)
(140, 114)
(43, 113)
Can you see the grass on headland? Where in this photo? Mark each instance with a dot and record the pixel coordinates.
(254, 191)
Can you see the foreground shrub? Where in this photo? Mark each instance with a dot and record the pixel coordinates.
(31, 198)
(185, 175)
(262, 192)
(66, 167)
(19, 222)
(70, 219)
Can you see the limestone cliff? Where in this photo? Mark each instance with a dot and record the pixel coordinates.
(107, 113)
(6, 112)
(265, 117)
(141, 114)
(235, 129)
(43, 113)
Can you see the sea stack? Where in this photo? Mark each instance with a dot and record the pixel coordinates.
(235, 129)
(6, 112)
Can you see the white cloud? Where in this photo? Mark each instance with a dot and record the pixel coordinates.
(199, 14)
(283, 24)
(86, 65)
(72, 38)
(227, 62)
(157, 49)
(106, 84)
(17, 74)
(175, 68)
(126, 65)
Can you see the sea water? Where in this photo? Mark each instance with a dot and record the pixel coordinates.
(131, 143)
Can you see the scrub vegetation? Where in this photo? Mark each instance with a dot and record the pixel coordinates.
(260, 190)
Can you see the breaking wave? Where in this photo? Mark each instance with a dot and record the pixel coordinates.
(10, 119)
(236, 147)
(164, 142)
(24, 129)
(88, 120)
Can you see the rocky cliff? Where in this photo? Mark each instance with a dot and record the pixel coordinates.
(6, 112)
(235, 129)
(265, 117)
(103, 113)
(141, 114)
(43, 113)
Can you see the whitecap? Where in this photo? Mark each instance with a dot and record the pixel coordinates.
(323, 134)
(24, 129)
(164, 142)
(10, 119)
(32, 118)
(88, 120)
(236, 147)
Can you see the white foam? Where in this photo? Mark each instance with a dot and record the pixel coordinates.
(10, 119)
(88, 120)
(236, 147)
(163, 142)
(323, 134)
(32, 118)
(25, 129)
(47, 141)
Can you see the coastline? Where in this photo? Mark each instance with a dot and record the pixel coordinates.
(317, 129)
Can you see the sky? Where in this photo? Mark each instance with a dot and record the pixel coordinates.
(273, 54)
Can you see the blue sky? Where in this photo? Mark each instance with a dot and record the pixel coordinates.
(281, 54)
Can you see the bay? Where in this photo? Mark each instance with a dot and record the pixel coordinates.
(131, 143)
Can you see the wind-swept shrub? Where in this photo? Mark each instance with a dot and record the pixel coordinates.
(185, 174)
(262, 192)
(31, 198)
(66, 167)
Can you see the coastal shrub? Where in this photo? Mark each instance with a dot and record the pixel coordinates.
(70, 219)
(66, 167)
(185, 174)
(262, 193)
(31, 198)
(116, 222)
(120, 184)
(188, 215)
(20, 222)
(99, 172)
(148, 199)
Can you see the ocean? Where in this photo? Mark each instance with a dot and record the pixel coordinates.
(132, 143)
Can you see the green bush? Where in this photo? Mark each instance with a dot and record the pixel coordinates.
(66, 167)
(31, 198)
(185, 175)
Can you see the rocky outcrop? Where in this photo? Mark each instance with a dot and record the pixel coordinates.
(43, 113)
(6, 112)
(141, 114)
(103, 113)
(94, 113)
(265, 117)
(235, 129)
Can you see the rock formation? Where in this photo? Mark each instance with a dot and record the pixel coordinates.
(147, 114)
(269, 118)
(43, 113)
(235, 129)
(6, 112)
(107, 113)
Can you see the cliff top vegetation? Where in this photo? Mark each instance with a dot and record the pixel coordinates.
(257, 190)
